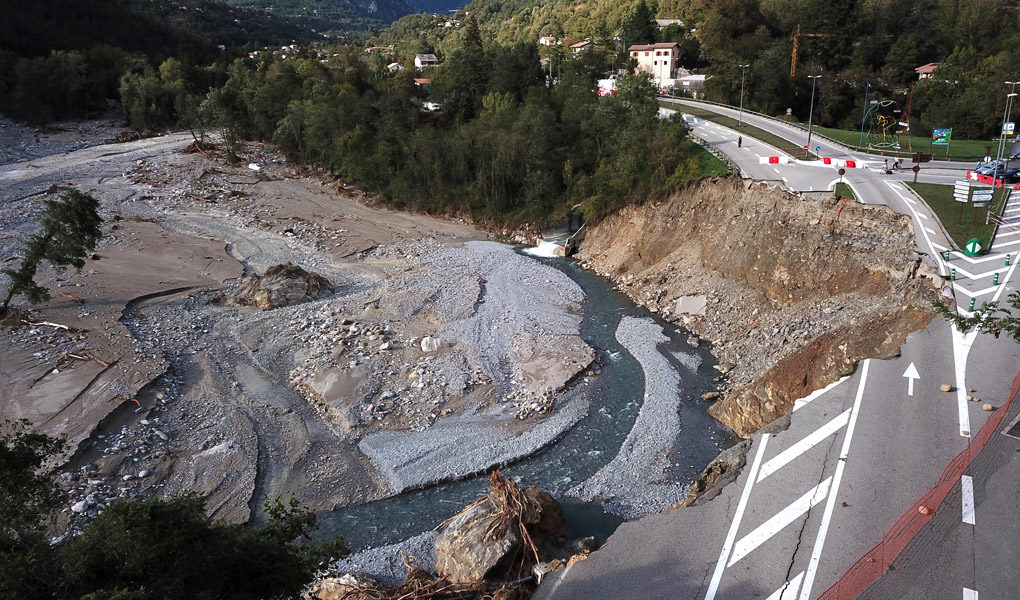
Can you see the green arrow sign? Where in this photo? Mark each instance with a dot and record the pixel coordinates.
(972, 247)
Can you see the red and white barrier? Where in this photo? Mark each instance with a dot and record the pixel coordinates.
(773, 160)
(989, 180)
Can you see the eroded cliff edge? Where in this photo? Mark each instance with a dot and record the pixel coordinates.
(791, 296)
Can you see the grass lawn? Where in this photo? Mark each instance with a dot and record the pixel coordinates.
(958, 149)
(940, 199)
(760, 134)
(710, 164)
(843, 189)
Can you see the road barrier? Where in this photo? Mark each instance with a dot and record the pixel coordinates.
(873, 565)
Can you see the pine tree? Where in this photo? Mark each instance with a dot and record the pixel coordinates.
(70, 230)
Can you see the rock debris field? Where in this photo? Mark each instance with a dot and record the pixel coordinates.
(424, 353)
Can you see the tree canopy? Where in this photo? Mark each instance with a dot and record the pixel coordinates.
(69, 231)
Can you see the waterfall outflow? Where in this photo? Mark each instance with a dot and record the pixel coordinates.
(545, 250)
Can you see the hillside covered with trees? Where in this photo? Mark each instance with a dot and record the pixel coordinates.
(876, 42)
(65, 59)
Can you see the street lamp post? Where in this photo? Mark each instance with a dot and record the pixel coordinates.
(1005, 117)
(740, 116)
(811, 113)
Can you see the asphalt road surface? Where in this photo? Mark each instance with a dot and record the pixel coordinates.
(816, 496)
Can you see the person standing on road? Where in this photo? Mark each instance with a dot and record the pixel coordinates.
(740, 140)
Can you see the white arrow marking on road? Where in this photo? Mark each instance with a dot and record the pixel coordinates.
(911, 375)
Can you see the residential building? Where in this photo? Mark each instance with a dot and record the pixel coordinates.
(924, 72)
(424, 61)
(548, 40)
(580, 47)
(661, 61)
(664, 23)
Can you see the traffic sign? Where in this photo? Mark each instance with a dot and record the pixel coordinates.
(972, 247)
(961, 190)
(1008, 127)
(818, 148)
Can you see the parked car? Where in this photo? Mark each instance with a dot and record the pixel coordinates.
(433, 106)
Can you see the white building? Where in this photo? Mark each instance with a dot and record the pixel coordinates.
(423, 61)
(580, 47)
(661, 61)
(548, 40)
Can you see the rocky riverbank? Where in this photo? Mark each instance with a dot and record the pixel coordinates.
(418, 336)
(788, 297)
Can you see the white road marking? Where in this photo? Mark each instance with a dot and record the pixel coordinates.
(923, 216)
(720, 565)
(927, 240)
(790, 586)
(823, 527)
(783, 458)
(801, 403)
(1006, 234)
(966, 258)
(967, 487)
(779, 521)
(1002, 281)
(969, 594)
(959, 288)
(1010, 243)
(911, 374)
(961, 347)
(930, 231)
(559, 582)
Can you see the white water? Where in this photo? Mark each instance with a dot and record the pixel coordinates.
(544, 249)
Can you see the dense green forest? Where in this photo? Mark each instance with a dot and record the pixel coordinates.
(65, 59)
(504, 148)
(877, 42)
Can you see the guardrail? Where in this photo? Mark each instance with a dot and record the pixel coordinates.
(717, 153)
(816, 133)
(872, 565)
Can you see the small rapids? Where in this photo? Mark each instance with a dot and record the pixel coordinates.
(544, 249)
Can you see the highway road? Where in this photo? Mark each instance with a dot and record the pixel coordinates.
(817, 495)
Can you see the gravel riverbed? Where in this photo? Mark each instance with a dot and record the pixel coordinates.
(636, 482)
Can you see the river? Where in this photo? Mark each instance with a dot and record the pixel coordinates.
(615, 395)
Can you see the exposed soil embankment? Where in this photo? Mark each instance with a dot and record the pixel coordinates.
(789, 297)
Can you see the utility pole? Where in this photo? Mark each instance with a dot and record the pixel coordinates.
(740, 117)
(811, 112)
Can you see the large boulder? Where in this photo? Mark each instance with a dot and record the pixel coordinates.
(280, 285)
(488, 536)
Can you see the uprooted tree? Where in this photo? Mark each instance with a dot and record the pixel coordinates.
(990, 318)
(70, 231)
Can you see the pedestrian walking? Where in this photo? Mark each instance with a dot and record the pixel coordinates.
(740, 141)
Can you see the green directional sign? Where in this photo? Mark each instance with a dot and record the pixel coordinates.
(972, 247)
